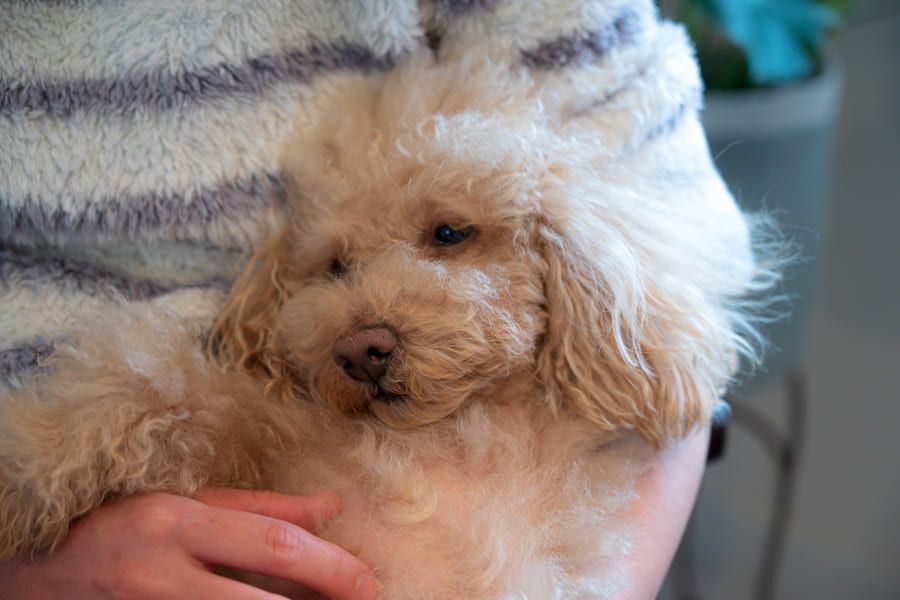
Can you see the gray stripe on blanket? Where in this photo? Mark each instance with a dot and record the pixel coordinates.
(68, 3)
(162, 90)
(19, 360)
(26, 270)
(675, 118)
(581, 47)
(142, 213)
(460, 6)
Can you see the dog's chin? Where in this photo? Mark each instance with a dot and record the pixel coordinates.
(383, 396)
(394, 407)
(404, 412)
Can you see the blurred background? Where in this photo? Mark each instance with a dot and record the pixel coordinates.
(813, 443)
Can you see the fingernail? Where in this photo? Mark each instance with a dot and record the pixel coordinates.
(367, 587)
(330, 506)
(330, 501)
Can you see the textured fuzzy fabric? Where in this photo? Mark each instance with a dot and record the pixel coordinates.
(140, 141)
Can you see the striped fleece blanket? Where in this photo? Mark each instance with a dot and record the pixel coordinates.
(139, 140)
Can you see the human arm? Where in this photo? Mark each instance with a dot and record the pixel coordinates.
(667, 491)
(161, 546)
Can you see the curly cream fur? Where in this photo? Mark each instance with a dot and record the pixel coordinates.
(586, 303)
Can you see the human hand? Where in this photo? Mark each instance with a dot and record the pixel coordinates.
(159, 546)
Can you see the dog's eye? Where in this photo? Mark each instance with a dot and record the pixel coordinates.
(337, 268)
(444, 235)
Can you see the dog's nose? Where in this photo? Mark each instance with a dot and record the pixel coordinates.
(365, 355)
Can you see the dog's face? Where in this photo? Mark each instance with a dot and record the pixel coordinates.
(446, 244)
(421, 286)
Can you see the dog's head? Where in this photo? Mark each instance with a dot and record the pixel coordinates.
(447, 241)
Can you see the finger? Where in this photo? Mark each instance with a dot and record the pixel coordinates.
(207, 586)
(272, 547)
(194, 583)
(309, 512)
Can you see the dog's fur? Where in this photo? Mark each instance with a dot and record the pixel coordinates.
(585, 303)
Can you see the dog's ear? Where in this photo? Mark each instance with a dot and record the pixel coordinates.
(242, 336)
(628, 344)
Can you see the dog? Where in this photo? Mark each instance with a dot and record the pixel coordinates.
(478, 326)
